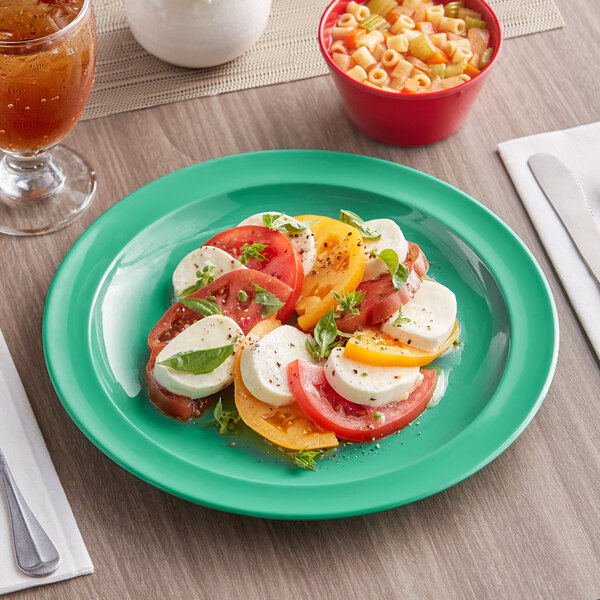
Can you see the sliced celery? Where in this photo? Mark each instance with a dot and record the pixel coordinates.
(381, 7)
(421, 47)
(438, 70)
(486, 57)
(451, 9)
(479, 23)
(454, 69)
(375, 22)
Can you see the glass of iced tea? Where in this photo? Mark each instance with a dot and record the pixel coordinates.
(47, 62)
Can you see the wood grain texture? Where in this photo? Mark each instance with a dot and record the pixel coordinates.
(525, 527)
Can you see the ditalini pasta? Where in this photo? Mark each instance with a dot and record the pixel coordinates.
(410, 46)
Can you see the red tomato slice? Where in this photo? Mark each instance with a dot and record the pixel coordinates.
(380, 301)
(416, 259)
(178, 407)
(350, 421)
(247, 313)
(178, 317)
(225, 290)
(283, 260)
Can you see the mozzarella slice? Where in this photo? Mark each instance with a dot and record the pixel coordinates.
(185, 276)
(367, 384)
(304, 240)
(210, 332)
(432, 313)
(391, 237)
(264, 364)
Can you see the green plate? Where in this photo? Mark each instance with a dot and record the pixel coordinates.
(115, 284)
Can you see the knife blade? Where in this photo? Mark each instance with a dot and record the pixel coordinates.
(568, 200)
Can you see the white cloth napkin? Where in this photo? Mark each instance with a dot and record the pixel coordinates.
(25, 451)
(579, 149)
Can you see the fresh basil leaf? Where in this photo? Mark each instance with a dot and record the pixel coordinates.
(348, 302)
(310, 347)
(305, 459)
(326, 333)
(270, 221)
(269, 303)
(252, 251)
(400, 277)
(390, 258)
(191, 289)
(242, 296)
(198, 362)
(204, 278)
(400, 319)
(227, 420)
(399, 271)
(269, 218)
(353, 219)
(326, 336)
(206, 275)
(205, 307)
(298, 227)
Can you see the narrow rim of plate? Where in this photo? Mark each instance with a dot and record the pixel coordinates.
(491, 433)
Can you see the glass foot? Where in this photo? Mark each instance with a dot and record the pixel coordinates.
(44, 193)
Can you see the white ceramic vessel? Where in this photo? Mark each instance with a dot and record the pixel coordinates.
(197, 33)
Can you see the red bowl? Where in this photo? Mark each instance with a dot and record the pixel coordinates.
(407, 119)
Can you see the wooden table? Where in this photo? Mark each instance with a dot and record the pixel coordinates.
(525, 527)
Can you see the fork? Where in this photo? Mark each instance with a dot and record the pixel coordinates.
(36, 555)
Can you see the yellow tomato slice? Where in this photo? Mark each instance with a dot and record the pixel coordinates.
(373, 348)
(339, 268)
(285, 426)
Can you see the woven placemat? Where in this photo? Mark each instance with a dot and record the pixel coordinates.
(128, 78)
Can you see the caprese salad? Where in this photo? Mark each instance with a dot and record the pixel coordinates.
(327, 329)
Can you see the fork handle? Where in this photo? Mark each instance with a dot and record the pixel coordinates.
(35, 553)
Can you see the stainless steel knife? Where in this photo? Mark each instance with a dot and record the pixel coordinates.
(566, 196)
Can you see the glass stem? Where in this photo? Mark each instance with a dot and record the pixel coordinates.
(35, 175)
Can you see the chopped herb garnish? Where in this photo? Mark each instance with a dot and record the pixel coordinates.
(457, 342)
(305, 459)
(377, 415)
(269, 303)
(348, 302)
(400, 319)
(205, 307)
(227, 420)
(253, 251)
(272, 221)
(398, 271)
(242, 296)
(353, 219)
(326, 336)
(363, 374)
(198, 362)
(204, 277)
